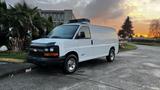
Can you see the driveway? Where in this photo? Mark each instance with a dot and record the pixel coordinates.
(132, 70)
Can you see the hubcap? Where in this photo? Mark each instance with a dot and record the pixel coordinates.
(71, 64)
(112, 55)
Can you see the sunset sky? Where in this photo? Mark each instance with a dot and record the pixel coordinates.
(106, 12)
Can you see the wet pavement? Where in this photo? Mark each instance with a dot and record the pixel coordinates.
(10, 69)
(132, 70)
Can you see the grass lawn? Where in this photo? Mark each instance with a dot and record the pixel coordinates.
(13, 55)
(147, 43)
(128, 46)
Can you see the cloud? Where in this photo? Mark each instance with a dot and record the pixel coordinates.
(82, 8)
(104, 8)
(142, 10)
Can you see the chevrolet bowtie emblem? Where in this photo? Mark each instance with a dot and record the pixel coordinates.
(35, 50)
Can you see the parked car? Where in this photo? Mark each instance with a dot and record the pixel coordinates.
(74, 42)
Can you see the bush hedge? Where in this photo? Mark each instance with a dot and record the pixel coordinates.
(146, 40)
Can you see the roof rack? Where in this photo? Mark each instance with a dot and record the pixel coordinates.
(83, 20)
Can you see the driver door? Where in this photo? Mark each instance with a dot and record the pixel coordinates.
(84, 43)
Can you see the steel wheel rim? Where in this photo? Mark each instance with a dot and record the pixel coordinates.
(112, 56)
(71, 64)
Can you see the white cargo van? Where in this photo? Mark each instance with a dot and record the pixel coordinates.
(74, 42)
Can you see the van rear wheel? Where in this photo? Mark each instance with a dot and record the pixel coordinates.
(70, 64)
(111, 56)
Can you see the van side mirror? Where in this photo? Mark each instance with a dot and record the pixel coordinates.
(81, 35)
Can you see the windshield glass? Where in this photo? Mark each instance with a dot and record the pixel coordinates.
(63, 31)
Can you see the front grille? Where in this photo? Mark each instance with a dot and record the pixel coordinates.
(36, 54)
(37, 51)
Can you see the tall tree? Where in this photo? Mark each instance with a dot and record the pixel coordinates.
(155, 28)
(4, 23)
(22, 23)
(126, 32)
(49, 24)
(27, 24)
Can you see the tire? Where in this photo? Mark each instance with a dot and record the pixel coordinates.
(111, 56)
(70, 64)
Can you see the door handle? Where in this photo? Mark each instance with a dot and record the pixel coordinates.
(91, 42)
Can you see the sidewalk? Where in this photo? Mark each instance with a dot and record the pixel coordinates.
(9, 69)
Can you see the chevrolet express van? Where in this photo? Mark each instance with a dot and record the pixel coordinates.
(74, 42)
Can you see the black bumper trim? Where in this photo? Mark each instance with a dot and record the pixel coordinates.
(43, 60)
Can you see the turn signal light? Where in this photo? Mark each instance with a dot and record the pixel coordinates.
(51, 54)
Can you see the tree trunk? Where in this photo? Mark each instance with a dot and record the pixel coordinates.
(17, 44)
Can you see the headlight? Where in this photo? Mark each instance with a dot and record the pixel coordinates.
(46, 50)
(51, 49)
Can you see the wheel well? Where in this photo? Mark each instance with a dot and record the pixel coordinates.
(112, 48)
(72, 52)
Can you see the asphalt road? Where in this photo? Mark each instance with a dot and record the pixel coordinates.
(132, 70)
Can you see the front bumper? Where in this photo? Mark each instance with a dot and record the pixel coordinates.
(43, 60)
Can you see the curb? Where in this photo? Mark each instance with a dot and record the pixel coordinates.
(12, 73)
(11, 60)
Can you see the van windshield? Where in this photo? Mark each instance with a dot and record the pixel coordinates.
(63, 32)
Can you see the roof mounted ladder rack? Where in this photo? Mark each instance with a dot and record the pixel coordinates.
(83, 21)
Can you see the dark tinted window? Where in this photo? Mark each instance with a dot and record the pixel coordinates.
(63, 31)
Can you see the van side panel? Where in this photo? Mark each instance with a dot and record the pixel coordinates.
(104, 38)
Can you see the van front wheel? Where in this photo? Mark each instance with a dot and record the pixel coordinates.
(111, 56)
(70, 64)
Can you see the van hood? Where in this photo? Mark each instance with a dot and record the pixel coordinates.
(47, 41)
(44, 40)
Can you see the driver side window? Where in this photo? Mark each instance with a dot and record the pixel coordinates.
(84, 33)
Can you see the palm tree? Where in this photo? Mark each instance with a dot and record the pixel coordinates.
(27, 25)
(23, 23)
(3, 15)
(4, 23)
(49, 24)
